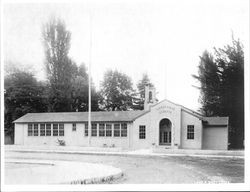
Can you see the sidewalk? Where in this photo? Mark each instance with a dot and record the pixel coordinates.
(118, 151)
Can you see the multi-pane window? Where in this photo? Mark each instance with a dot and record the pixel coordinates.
(86, 131)
(108, 130)
(190, 132)
(101, 130)
(55, 129)
(94, 129)
(45, 129)
(35, 129)
(117, 130)
(73, 127)
(42, 129)
(48, 129)
(30, 130)
(61, 129)
(123, 130)
(142, 132)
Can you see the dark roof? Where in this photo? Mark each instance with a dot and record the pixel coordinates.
(215, 120)
(99, 116)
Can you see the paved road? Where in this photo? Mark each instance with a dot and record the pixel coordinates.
(158, 170)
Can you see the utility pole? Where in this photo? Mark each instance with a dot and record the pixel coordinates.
(90, 60)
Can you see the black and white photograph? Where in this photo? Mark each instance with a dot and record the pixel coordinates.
(105, 95)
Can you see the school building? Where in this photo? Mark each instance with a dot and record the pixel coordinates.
(163, 124)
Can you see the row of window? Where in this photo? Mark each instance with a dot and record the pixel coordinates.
(105, 130)
(46, 129)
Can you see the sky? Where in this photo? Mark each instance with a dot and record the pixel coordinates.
(161, 38)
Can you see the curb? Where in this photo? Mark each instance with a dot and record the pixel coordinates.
(125, 154)
(96, 180)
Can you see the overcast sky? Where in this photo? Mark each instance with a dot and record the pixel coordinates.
(161, 38)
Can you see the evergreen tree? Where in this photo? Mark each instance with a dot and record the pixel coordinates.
(222, 88)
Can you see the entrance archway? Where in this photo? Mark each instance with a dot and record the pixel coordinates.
(165, 127)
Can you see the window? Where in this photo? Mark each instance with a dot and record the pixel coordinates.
(108, 130)
(48, 129)
(142, 132)
(123, 130)
(30, 130)
(42, 129)
(35, 129)
(101, 130)
(150, 96)
(86, 129)
(73, 127)
(55, 129)
(190, 132)
(61, 129)
(94, 129)
(116, 130)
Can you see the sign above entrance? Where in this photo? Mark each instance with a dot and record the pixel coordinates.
(165, 109)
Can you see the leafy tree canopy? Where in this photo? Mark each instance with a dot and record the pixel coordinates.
(117, 91)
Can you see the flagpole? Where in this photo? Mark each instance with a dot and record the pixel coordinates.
(90, 57)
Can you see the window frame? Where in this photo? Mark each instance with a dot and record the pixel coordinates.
(190, 132)
(30, 129)
(101, 129)
(117, 130)
(86, 129)
(142, 131)
(108, 129)
(42, 129)
(61, 129)
(124, 129)
(94, 130)
(73, 126)
(35, 129)
(48, 129)
(55, 129)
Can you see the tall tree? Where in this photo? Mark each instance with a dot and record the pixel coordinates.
(230, 61)
(59, 67)
(139, 100)
(209, 77)
(117, 91)
(22, 94)
(222, 88)
(80, 92)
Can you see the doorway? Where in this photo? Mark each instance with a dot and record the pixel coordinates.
(165, 132)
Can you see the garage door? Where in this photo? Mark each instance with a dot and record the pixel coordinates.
(215, 138)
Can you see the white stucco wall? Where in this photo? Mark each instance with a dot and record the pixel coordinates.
(189, 119)
(136, 142)
(71, 138)
(19, 134)
(169, 111)
(215, 138)
(163, 110)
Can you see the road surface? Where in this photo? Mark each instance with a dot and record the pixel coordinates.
(157, 170)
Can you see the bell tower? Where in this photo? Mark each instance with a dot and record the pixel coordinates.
(150, 98)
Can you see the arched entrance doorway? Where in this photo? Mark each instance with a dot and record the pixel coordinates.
(165, 132)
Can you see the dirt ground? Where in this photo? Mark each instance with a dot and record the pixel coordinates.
(158, 170)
